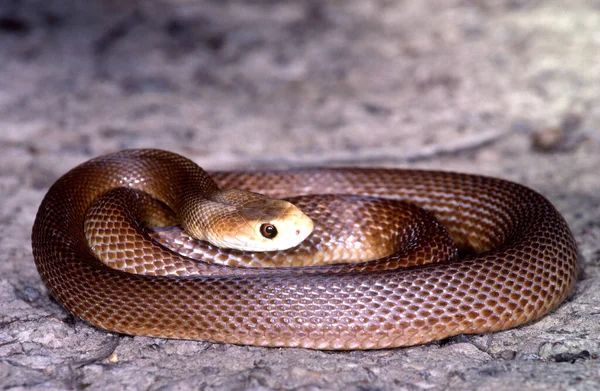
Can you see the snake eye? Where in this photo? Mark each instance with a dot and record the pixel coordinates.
(268, 230)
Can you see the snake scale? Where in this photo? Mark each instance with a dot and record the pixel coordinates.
(518, 261)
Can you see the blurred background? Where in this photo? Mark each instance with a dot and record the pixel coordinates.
(236, 83)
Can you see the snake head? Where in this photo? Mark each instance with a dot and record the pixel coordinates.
(271, 225)
(249, 221)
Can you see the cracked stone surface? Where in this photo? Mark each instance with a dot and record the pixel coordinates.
(503, 87)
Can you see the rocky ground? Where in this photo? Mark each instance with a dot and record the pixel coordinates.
(503, 87)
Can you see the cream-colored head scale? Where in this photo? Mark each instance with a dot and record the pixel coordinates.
(248, 221)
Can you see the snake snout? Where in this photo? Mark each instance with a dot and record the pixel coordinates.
(275, 225)
(285, 231)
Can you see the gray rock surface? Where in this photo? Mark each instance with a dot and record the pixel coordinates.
(503, 87)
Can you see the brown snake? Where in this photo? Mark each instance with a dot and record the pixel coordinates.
(519, 262)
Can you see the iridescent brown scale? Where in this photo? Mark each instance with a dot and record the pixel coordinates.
(521, 261)
(391, 234)
(348, 229)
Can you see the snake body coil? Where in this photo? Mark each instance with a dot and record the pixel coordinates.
(520, 262)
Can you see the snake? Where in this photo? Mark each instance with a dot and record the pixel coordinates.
(512, 259)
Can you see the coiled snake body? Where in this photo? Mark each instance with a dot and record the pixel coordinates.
(520, 262)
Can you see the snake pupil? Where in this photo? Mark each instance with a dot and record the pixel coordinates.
(268, 230)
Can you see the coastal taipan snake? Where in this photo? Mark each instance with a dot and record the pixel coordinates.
(518, 260)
